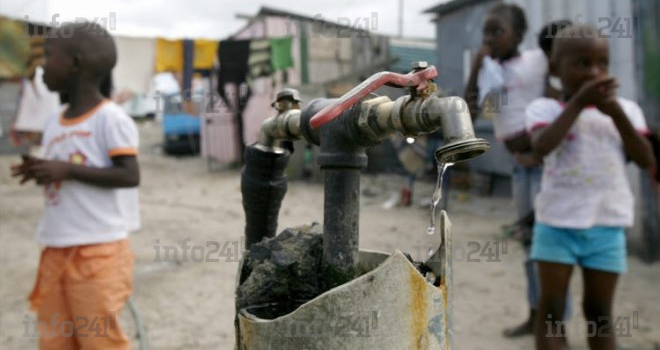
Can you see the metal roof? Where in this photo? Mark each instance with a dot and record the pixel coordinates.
(451, 6)
(270, 11)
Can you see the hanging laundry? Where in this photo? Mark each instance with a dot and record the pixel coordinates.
(36, 104)
(281, 57)
(15, 51)
(37, 55)
(233, 57)
(169, 55)
(135, 64)
(259, 64)
(188, 58)
(205, 51)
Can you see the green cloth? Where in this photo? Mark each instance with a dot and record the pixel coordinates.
(14, 49)
(280, 57)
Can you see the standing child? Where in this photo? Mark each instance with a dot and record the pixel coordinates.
(512, 79)
(89, 173)
(585, 200)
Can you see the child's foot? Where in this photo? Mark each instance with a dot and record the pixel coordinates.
(527, 328)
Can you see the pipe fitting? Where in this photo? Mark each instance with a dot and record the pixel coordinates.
(284, 126)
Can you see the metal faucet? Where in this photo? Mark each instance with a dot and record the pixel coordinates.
(344, 127)
(285, 125)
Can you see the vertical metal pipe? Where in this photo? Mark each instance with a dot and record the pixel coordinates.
(341, 159)
(341, 222)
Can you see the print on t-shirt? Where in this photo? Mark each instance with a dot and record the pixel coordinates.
(53, 190)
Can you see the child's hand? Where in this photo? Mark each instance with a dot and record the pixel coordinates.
(23, 169)
(484, 51)
(610, 107)
(49, 171)
(595, 91)
(609, 104)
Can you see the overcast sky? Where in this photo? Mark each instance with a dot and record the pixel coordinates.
(217, 18)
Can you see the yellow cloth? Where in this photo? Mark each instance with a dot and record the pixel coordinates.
(205, 53)
(169, 55)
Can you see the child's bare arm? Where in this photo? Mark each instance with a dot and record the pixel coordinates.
(472, 90)
(637, 147)
(546, 139)
(124, 172)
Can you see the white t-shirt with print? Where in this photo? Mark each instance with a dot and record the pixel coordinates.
(584, 180)
(515, 83)
(77, 213)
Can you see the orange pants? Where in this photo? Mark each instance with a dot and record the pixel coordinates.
(79, 293)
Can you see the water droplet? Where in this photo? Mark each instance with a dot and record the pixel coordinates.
(430, 230)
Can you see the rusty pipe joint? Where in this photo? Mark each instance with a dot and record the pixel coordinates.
(284, 126)
(413, 117)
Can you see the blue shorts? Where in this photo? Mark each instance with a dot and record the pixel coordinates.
(599, 248)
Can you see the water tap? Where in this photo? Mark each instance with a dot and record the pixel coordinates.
(285, 125)
(418, 113)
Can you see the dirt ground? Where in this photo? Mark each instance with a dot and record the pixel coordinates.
(189, 305)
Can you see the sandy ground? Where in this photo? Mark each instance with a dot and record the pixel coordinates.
(189, 305)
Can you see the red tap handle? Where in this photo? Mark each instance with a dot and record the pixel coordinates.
(418, 79)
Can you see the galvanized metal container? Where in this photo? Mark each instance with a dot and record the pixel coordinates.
(392, 306)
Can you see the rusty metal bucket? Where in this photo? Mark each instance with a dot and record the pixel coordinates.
(391, 306)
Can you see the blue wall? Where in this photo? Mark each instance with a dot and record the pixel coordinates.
(407, 55)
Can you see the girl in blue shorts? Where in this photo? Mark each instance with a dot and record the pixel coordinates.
(585, 201)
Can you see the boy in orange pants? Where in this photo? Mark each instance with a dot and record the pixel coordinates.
(90, 176)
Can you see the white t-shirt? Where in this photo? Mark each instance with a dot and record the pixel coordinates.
(584, 180)
(515, 83)
(77, 213)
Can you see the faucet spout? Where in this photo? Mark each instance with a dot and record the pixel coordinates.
(461, 144)
(381, 117)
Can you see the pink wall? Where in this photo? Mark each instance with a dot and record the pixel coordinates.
(218, 134)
